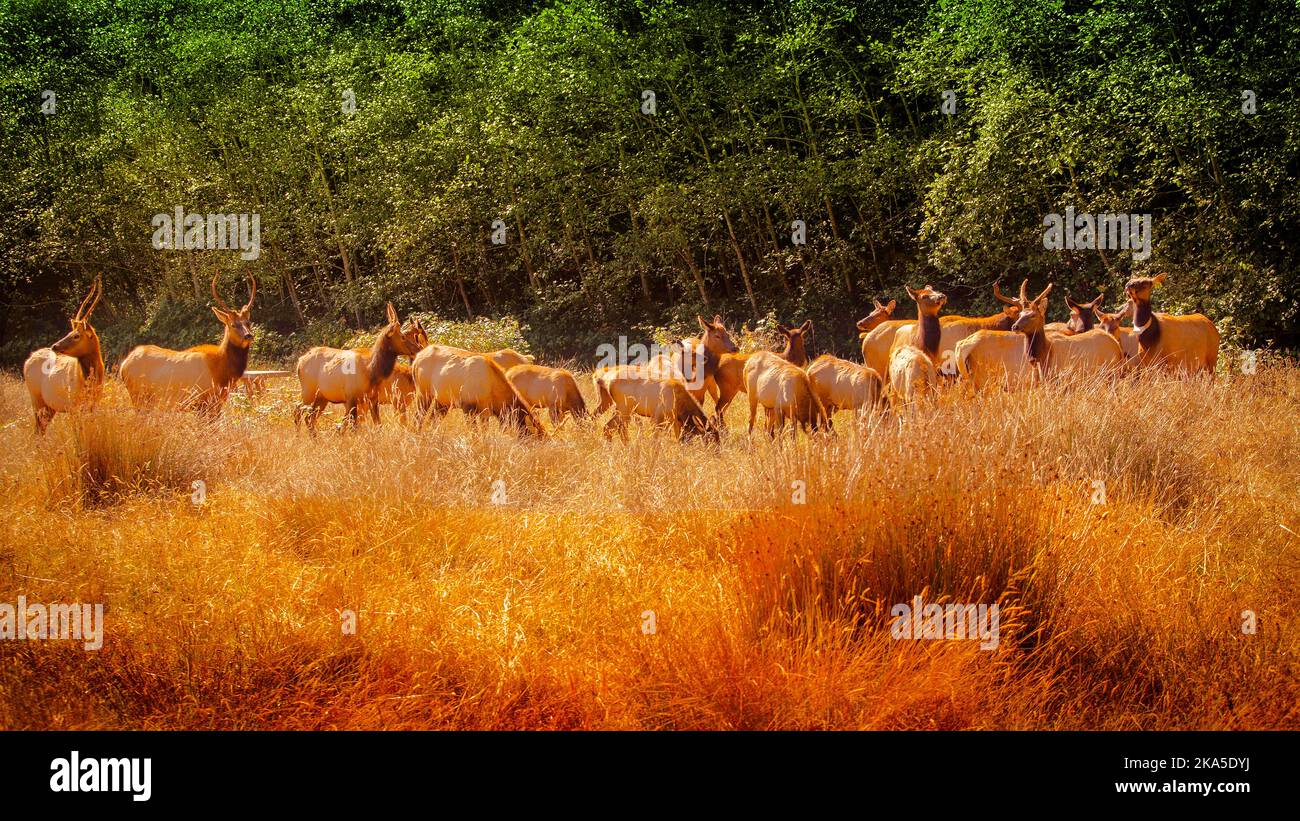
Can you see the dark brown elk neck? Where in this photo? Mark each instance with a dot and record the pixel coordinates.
(929, 333)
(234, 361)
(1088, 320)
(794, 352)
(382, 360)
(92, 365)
(1036, 347)
(1145, 318)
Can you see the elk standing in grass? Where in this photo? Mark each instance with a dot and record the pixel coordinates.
(552, 388)
(70, 373)
(447, 378)
(843, 385)
(953, 329)
(197, 378)
(913, 368)
(353, 379)
(630, 390)
(1183, 344)
(1091, 351)
(785, 391)
(878, 329)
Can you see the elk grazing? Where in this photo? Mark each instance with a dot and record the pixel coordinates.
(552, 388)
(953, 329)
(912, 368)
(353, 379)
(70, 373)
(1093, 350)
(1183, 344)
(665, 401)
(785, 391)
(197, 378)
(1110, 323)
(1081, 320)
(447, 378)
(843, 385)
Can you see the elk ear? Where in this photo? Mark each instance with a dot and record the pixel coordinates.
(784, 331)
(1097, 313)
(392, 314)
(224, 316)
(704, 326)
(717, 319)
(1158, 279)
(910, 292)
(891, 306)
(806, 327)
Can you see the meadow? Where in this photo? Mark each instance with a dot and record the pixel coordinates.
(581, 582)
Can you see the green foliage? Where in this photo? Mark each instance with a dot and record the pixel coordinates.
(531, 113)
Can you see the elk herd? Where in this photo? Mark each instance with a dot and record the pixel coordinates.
(903, 362)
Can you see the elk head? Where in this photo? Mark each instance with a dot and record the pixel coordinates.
(82, 339)
(928, 300)
(1081, 314)
(796, 351)
(1011, 308)
(880, 314)
(417, 335)
(1110, 322)
(1034, 315)
(404, 343)
(239, 324)
(1139, 288)
(716, 338)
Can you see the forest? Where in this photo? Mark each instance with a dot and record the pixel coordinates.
(585, 169)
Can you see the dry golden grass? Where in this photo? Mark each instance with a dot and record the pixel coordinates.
(769, 614)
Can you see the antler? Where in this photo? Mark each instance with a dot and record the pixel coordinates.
(997, 292)
(82, 314)
(1024, 297)
(1045, 292)
(221, 303)
(98, 290)
(252, 292)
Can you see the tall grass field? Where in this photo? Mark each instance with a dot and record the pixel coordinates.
(1141, 539)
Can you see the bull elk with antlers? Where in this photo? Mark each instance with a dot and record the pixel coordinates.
(200, 377)
(70, 373)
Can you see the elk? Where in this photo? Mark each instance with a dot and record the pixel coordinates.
(353, 379)
(1110, 323)
(447, 377)
(785, 391)
(878, 330)
(953, 329)
(1187, 343)
(704, 354)
(666, 401)
(197, 378)
(552, 388)
(796, 351)
(1093, 350)
(912, 369)
(1081, 320)
(70, 373)
(730, 373)
(843, 385)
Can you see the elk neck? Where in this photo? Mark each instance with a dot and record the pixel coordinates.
(232, 360)
(929, 333)
(1145, 318)
(382, 360)
(1036, 347)
(794, 352)
(1001, 322)
(92, 366)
